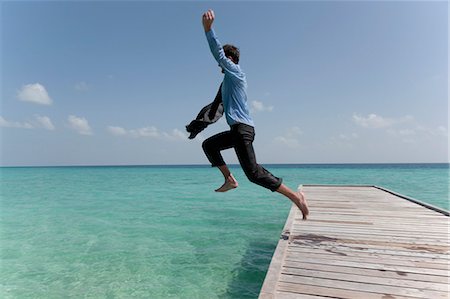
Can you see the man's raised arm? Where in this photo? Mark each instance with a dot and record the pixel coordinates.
(214, 45)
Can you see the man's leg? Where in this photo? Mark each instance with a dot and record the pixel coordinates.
(230, 181)
(259, 175)
(244, 136)
(212, 147)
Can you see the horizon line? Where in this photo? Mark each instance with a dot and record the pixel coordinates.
(230, 164)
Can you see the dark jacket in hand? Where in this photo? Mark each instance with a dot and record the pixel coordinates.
(207, 115)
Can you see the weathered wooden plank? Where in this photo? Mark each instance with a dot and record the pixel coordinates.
(378, 230)
(369, 272)
(288, 262)
(362, 236)
(333, 292)
(318, 215)
(366, 287)
(317, 240)
(386, 215)
(374, 254)
(393, 282)
(283, 295)
(409, 262)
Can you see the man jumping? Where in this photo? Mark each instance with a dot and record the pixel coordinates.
(242, 132)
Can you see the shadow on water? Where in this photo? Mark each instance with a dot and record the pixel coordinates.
(249, 275)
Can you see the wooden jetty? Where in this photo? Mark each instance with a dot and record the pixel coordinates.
(361, 242)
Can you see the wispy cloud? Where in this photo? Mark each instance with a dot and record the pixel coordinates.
(175, 134)
(148, 132)
(259, 106)
(80, 124)
(374, 121)
(42, 122)
(34, 93)
(145, 132)
(405, 128)
(418, 134)
(291, 138)
(14, 124)
(45, 122)
(117, 131)
(344, 141)
(402, 132)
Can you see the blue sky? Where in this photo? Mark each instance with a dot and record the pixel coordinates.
(112, 83)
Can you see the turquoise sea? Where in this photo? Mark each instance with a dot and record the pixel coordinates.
(161, 231)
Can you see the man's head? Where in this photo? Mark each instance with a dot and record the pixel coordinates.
(231, 52)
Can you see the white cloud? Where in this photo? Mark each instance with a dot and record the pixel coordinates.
(417, 133)
(82, 86)
(45, 122)
(145, 132)
(378, 122)
(409, 136)
(34, 93)
(80, 124)
(405, 129)
(260, 106)
(149, 132)
(117, 131)
(176, 135)
(291, 138)
(437, 131)
(14, 124)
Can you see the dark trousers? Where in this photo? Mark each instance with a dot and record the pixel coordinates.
(240, 137)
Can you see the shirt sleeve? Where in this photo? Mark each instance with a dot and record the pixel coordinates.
(217, 51)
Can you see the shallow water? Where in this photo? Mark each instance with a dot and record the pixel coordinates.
(161, 232)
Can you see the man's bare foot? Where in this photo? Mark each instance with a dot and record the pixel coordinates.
(230, 183)
(302, 204)
(298, 198)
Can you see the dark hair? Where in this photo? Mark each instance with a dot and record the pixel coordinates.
(231, 52)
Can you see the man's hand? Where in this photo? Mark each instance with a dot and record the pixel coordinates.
(208, 19)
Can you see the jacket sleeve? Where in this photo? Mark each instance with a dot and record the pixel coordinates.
(215, 104)
(228, 66)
